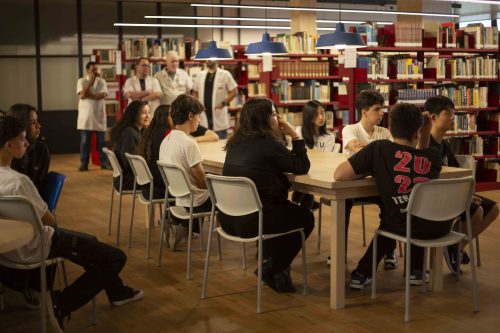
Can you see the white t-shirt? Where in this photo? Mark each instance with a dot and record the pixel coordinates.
(173, 87)
(324, 142)
(180, 149)
(223, 84)
(92, 112)
(357, 132)
(14, 183)
(134, 84)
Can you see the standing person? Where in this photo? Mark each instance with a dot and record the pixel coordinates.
(181, 149)
(355, 137)
(316, 136)
(142, 86)
(92, 91)
(215, 88)
(125, 135)
(102, 262)
(256, 151)
(35, 163)
(173, 80)
(483, 211)
(394, 177)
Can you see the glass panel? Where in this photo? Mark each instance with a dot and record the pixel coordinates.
(59, 76)
(98, 30)
(134, 12)
(58, 27)
(20, 87)
(18, 32)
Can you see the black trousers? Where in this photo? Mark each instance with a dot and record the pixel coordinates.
(420, 229)
(281, 218)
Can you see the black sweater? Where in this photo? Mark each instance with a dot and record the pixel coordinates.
(126, 143)
(264, 161)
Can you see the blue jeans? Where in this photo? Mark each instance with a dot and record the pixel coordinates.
(222, 134)
(85, 140)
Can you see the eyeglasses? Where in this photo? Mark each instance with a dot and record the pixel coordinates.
(144, 65)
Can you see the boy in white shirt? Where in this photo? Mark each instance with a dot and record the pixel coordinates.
(355, 137)
(102, 262)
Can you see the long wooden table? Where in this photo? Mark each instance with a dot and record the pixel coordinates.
(319, 181)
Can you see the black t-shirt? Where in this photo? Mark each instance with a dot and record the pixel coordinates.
(200, 131)
(445, 152)
(209, 88)
(396, 169)
(143, 84)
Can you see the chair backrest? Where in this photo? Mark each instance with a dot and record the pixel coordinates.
(441, 199)
(140, 169)
(175, 178)
(336, 148)
(117, 169)
(235, 196)
(467, 162)
(52, 188)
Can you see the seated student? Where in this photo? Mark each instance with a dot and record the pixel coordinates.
(125, 135)
(35, 163)
(181, 149)
(483, 211)
(256, 151)
(316, 136)
(383, 160)
(203, 134)
(102, 262)
(355, 137)
(149, 148)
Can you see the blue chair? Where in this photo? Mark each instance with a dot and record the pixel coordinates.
(51, 189)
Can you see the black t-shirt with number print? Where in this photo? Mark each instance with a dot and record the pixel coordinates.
(396, 169)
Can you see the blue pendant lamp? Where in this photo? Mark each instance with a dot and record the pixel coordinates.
(266, 46)
(340, 39)
(212, 52)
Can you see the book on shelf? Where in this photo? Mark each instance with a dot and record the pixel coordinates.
(112, 108)
(376, 66)
(368, 32)
(465, 96)
(105, 55)
(329, 119)
(294, 118)
(342, 118)
(467, 146)
(485, 67)
(108, 73)
(298, 43)
(483, 37)
(253, 71)
(447, 36)
(384, 90)
(302, 68)
(157, 48)
(409, 68)
(408, 35)
(257, 89)
(301, 91)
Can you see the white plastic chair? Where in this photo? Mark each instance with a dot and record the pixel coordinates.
(142, 176)
(178, 185)
(468, 162)
(117, 172)
(435, 200)
(19, 208)
(237, 196)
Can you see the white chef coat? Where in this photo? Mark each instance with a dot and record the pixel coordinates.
(173, 87)
(133, 84)
(92, 112)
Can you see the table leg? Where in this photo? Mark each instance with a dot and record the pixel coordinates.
(337, 254)
(436, 269)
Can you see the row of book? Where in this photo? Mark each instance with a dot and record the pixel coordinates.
(129, 69)
(157, 48)
(464, 123)
(303, 68)
(295, 118)
(466, 97)
(256, 89)
(299, 43)
(384, 90)
(253, 71)
(376, 66)
(410, 68)
(301, 91)
(416, 96)
(342, 117)
(471, 146)
(105, 56)
(477, 146)
(477, 67)
(408, 34)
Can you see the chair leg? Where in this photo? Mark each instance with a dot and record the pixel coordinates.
(219, 246)
(259, 277)
(150, 226)
(400, 249)
(305, 290)
(459, 261)
(363, 224)
(374, 266)
(474, 275)
(200, 224)
(424, 271)
(162, 236)
(407, 282)
(207, 258)
(190, 236)
(118, 224)
(44, 299)
(478, 252)
(131, 218)
(320, 211)
(244, 255)
(111, 209)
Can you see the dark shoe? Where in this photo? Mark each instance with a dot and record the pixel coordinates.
(127, 295)
(450, 256)
(58, 313)
(391, 261)
(267, 275)
(417, 278)
(283, 282)
(465, 258)
(359, 281)
(106, 167)
(83, 168)
(31, 299)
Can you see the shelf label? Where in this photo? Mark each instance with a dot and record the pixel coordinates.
(267, 62)
(350, 58)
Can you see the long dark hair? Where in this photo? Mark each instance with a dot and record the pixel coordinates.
(160, 120)
(254, 122)
(309, 113)
(22, 112)
(128, 119)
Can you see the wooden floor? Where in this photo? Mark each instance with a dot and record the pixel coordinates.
(173, 304)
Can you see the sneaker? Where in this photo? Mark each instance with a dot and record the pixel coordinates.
(450, 256)
(127, 295)
(465, 258)
(83, 168)
(416, 277)
(31, 299)
(391, 261)
(106, 167)
(328, 261)
(283, 282)
(359, 281)
(267, 275)
(177, 235)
